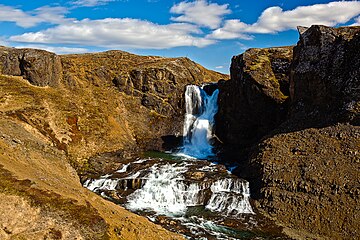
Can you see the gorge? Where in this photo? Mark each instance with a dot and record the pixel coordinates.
(196, 195)
(271, 153)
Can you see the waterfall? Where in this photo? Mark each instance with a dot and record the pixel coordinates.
(194, 193)
(199, 121)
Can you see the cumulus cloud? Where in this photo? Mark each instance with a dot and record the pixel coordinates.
(200, 12)
(232, 29)
(118, 33)
(46, 14)
(275, 19)
(91, 3)
(55, 49)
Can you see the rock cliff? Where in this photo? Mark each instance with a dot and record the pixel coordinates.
(254, 101)
(39, 67)
(60, 113)
(304, 169)
(326, 73)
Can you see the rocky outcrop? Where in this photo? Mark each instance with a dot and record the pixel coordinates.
(39, 67)
(152, 89)
(254, 101)
(64, 116)
(325, 77)
(304, 173)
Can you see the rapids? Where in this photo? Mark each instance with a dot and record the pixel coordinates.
(183, 191)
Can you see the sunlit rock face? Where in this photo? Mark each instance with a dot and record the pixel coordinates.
(87, 110)
(39, 67)
(255, 100)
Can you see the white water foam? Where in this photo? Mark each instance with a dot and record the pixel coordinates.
(101, 184)
(166, 191)
(230, 197)
(199, 121)
(162, 192)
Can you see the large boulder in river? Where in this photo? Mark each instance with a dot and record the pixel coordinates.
(254, 101)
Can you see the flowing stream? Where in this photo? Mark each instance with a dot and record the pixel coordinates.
(193, 197)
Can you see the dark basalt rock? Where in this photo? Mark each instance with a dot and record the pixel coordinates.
(325, 76)
(210, 88)
(304, 170)
(254, 101)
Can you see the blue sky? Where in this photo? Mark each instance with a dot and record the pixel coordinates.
(208, 32)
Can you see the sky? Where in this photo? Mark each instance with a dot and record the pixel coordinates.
(208, 32)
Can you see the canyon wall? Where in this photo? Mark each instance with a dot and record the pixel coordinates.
(305, 164)
(70, 115)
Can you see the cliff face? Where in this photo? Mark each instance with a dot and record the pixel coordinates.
(304, 173)
(326, 73)
(57, 110)
(103, 102)
(151, 90)
(254, 100)
(39, 67)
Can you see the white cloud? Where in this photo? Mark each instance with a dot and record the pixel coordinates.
(58, 50)
(46, 14)
(118, 33)
(200, 12)
(274, 19)
(357, 21)
(232, 29)
(219, 67)
(91, 3)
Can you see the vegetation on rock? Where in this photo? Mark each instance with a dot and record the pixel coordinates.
(57, 110)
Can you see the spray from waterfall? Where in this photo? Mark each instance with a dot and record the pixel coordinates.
(199, 121)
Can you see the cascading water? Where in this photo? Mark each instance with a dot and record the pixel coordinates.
(198, 195)
(199, 121)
